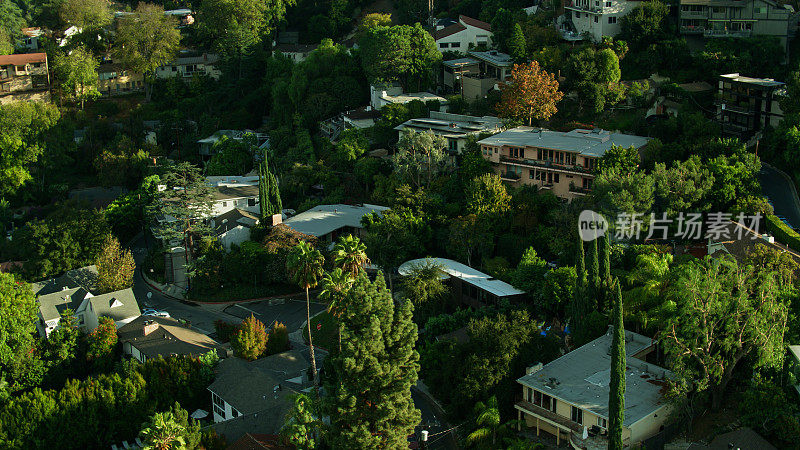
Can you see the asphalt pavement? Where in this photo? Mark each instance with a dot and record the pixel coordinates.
(779, 190)
(291, 313)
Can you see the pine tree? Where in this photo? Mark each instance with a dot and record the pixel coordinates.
(516, 44)
(605, 298)
(616, 393)
(370, 382)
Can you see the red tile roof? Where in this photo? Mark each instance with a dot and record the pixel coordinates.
(448, 31)
(22, 58)
(474, 22)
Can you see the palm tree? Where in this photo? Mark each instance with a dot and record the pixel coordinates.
(335, 285)
(489, 429)
(304, 263)
(163, 433)
(350, 254)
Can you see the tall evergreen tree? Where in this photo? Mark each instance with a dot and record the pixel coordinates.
(269, 195)
(606, 298)
(516, 44)
(616, 393)
(370, 382)
(594, 266)
(580, 264)
(582, 302)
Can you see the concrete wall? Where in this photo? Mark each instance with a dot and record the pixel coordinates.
(234, 236)
(650, 425)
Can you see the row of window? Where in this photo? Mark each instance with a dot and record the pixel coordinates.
(249, 202)
(449, 44)
(611, 19)
(549, 403)
(717, 9)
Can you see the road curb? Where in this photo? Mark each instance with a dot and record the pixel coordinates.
(795, 196)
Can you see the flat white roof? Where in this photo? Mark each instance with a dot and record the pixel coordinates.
(464, 273)
(405, 98)
(323, 219)
(585, 142)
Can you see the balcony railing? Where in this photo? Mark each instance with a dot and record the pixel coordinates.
(691, 29)
(727, 33)
(546, 164)
(578, 189)
(510, 176)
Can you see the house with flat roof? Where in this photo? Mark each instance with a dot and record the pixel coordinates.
(746, 105)
(468, 285)
(328, 222)
(188, 66)
(254, 396)
(207, 144)
(455, 128)
(568, 397)
(730, 19)
(464, 35)
(148, 337)
(562, 162)
(477, 74)
(24, 77)
(113, 79)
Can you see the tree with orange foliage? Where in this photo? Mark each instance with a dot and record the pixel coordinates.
(532, 93)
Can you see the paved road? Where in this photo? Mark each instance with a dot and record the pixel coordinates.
(434, 422)
(779, 191)
(292, 313)
(201, 317)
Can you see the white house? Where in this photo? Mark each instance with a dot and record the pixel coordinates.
(455, 128)
(465, 35)
(296, 52)
(73, 290)
(597, 18)
(232, 192)
(381, 96)
(187, 66)
(233, 227)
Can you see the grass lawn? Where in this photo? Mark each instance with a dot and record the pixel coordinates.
(327, 336)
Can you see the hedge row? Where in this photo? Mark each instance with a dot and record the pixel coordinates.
(783, 233)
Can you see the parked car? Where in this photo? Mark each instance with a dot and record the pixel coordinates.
(161, 314)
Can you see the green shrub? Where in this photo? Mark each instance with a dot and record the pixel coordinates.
(783, 233)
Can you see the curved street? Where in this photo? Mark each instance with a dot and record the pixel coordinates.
(778, 188)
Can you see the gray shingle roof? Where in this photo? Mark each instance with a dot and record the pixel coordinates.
(118, 305)
(170, 338)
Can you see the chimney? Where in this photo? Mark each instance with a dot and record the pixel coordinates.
(276, 219)
(149, 327)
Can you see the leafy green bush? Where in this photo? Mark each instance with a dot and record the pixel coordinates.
(783, 233)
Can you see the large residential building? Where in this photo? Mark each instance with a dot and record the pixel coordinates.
(455, 128)
(596, 18)
(24, 77)
(562, 162)
(739, 18)
(568, 397)
(747, 105)
(467, 285)
(188, 66)
(328, 222)
(465, 35)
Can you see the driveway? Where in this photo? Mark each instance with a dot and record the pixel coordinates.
(778, 189)
(291, 313)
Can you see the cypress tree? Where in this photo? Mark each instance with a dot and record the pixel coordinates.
(580, 305)
(274, 195)
(369, 381)
(616, 393)
(594, 268)
(263, 187)
(516, 43)
(605, 260)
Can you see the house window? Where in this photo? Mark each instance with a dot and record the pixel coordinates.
(444, 45)
(601, 422)
(555, 178)
(719, 9)
(612, 20)
(455, 45)
(495, 151)
(251, 202)
(224, 204)
(608, 4)
(577, 415)
(452, 145)
(531, 173)
(577, 15)
(516, 152)
(544, 401)
(595, 19)
(219, 405)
